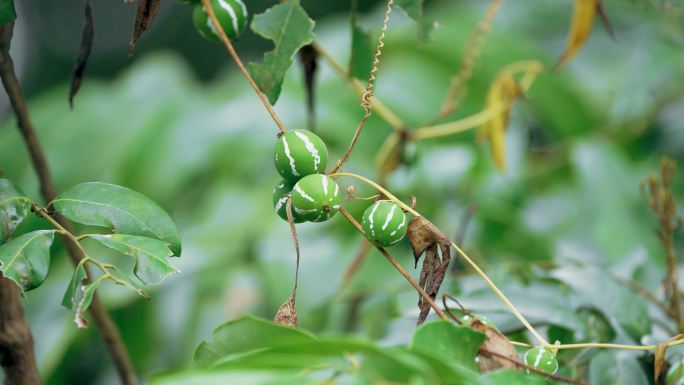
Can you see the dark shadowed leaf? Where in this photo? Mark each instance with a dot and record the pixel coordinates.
(151, 255)
(7, 12)
(14, 207)
(87, 38)
(123, 210)
(287, 313)
(415, 10)
(26, 259)
(427, 238)
(144, 16)
(449, 342)
(290, 28)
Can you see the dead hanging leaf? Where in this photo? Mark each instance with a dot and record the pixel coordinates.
(428, 239)
(498, 344)
(308, 56)
(87, 38)
(287, 314)
(502, 93)
(659, 361)
(581, 24)
(144, 16)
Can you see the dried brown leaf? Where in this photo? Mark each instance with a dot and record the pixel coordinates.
(86, 46)
(426, 238)
(144, 17)
(497, 343)
(287, 313)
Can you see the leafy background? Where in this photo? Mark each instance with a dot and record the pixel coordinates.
(177, 123)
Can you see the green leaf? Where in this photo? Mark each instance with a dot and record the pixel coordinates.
(14, 207)
(512, 377)
(598, 289)
(448, 342)
(151, 264)
(26, 259)
(7, 12)
(70, 295)
(616, 368)
(415, 10)
(290, 28)
(361, 59)
(87, 294)
(246, 334)
(123, 210)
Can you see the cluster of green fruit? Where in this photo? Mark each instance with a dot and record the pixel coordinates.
(538, 357)
(231, 15)
(300, 158)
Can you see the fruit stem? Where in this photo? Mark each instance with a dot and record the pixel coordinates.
(233, 54)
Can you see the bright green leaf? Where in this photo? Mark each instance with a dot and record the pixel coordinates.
(151, 255)
(246, 334)
(415, 10)
(87, 294)
(72, 294)
(26, 259)
(449, 342)
(14, 207)
(7, 12)
(616, 368)
(122, 209)
(290, 28)
(361, 60)
(512, 377)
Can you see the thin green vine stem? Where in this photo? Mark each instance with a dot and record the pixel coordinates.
(477, 269)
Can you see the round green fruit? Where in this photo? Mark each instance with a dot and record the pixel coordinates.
(316, 198)
(280, 194)
(675, 375)
(299, 153)
(541, 359)
(469, 319)
(384, 223)
(231, 14)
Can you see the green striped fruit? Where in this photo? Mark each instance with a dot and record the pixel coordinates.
(469, 319)
(675, 375)
(384, 223)
(299, 153)
(541, 359)
(316, 198)
(231, 14)
(280, 194)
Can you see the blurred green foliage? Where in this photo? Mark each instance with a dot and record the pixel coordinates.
(552, 231)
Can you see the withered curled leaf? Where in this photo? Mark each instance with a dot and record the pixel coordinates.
(502, 93)
(583, 14)
(308, 57)
(287, 313)
(498, 344)
(659, 361)
(426, 238)
(144, 17)
(87, 39)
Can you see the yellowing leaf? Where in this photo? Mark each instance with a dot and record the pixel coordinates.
(583, 15)
(502, 93)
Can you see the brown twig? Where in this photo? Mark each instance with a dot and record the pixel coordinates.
(665, 209)
(535, 370)
(397, 266)
(16, 343)
(356, 263)
(108, 330)
(233, 54)
(470, 56)
(295, 239)
(367, 95)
